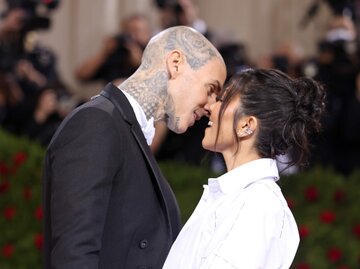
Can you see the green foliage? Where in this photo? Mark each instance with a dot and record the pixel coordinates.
(327, 210)
(325, 205)
(20, 203)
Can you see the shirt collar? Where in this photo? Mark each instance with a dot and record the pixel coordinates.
(244, 175)
(147, 126)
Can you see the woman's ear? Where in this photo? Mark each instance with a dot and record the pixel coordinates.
(253, 123)
(174, 63)
(246, 126)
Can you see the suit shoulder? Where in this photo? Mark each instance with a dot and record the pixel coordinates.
(94, 117)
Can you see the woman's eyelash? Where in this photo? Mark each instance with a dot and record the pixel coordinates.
(218, 99)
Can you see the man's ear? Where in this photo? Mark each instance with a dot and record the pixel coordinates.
(174, 62)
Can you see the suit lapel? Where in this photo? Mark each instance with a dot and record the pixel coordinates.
(120, 101)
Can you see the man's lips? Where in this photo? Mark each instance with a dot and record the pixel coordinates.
(197, 116)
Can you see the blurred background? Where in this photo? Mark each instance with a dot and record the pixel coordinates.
(78, 28)
(56, 54)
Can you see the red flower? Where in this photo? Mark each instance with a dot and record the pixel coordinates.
(19, 158)
(339, 195)
(303, 266)
(38, 241)
(9, 213)
(4, 186)
(311, 193)
(304, 231)
(290, 202)
(4, 169)
(356, 230)
(327, 216)
(27, 193)
(39, 213)
(334, 254)
(8, 250)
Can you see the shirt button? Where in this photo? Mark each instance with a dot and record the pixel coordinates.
(143, 244)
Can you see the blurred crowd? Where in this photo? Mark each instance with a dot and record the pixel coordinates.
(34, 99)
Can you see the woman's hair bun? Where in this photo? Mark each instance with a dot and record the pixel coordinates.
(309, 102)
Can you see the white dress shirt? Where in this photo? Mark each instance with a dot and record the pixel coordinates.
(242, 221)
(147, 126)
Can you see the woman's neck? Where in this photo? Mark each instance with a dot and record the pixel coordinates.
(241, 157)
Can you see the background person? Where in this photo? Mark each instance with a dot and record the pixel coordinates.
(121, 54)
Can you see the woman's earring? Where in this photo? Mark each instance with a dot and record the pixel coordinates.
(244, 133)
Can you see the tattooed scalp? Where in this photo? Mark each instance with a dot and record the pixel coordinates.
(196, 48)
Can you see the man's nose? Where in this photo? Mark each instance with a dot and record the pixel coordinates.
(210, 101)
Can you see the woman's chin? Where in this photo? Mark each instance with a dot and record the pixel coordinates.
(208, 146)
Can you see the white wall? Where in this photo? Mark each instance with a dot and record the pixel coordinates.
(263, 24)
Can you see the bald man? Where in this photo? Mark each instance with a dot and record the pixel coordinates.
(106, 203)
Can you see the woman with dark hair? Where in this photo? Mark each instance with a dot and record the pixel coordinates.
(242, 219)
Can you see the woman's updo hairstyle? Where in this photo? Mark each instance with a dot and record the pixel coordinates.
(288, 111)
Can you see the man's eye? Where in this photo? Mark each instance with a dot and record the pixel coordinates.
(219, 99)
(211, 92)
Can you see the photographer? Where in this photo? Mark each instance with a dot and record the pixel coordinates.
(120, 55)
(337, 68)
(10, 38)
(27, 69)
(11, 94)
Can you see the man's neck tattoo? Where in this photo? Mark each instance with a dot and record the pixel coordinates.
(150, 93)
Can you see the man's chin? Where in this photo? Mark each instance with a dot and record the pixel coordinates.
(178, 124)
(177, 127)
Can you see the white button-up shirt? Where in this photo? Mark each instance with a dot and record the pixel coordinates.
(242, 221)
(147, 126)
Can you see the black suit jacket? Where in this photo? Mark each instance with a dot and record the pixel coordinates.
(106, 203)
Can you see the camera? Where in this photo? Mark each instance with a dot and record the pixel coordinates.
(34, 19)
(123, 39)
(338, 7)
(165, 3)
